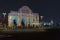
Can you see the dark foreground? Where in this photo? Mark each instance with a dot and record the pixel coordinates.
(50, 34)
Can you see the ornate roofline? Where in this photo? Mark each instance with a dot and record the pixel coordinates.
(25, 8)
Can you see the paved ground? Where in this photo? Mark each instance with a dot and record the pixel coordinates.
(23, 30)
(29, 30)
(51, 34)
(30, 35)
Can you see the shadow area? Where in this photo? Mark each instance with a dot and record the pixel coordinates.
(31, 35)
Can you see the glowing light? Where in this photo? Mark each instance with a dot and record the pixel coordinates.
(41, 17)
(4, 14)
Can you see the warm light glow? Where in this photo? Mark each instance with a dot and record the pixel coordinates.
(24, 14)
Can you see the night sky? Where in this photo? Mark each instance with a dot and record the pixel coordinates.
(50, 9)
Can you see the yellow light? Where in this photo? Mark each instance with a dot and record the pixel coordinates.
(10, 17)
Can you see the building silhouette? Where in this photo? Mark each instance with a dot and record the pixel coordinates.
(23, 17)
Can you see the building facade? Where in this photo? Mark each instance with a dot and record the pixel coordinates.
(23, 15)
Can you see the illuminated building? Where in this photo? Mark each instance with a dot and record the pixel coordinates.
(25, 15)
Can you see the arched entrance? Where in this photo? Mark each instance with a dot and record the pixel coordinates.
(15, 20)
(23, 21)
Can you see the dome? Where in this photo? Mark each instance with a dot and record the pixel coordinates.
(25, 9)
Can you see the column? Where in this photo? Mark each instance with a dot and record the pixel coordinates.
(30, 20)
(35, 22)
(9, 21)
(19, 21)
(25, 21)
(38, 20)
(37, 17)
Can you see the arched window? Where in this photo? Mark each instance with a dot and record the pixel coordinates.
(15, 19)
(25, 9)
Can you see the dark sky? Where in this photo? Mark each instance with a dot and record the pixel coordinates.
(50, 9)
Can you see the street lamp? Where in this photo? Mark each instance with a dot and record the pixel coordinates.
(52, 22)
(41, 19)
(4, 14)
(4, 20)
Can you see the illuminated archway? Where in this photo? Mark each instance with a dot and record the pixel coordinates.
(15, 18)
(23, 21)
